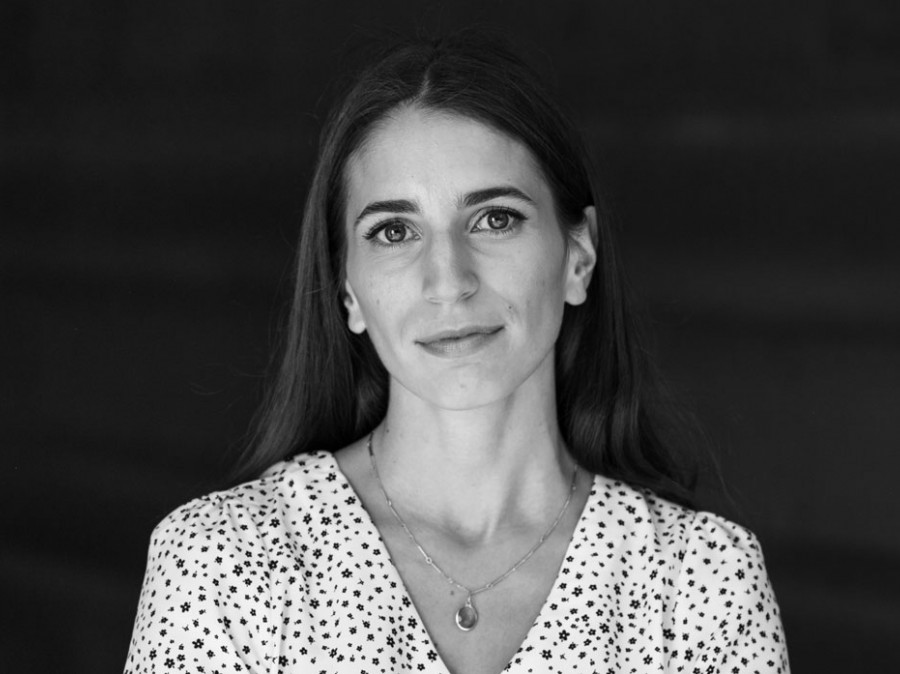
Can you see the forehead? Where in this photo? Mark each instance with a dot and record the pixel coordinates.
(424, 154)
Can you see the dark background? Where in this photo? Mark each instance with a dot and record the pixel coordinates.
(153, 158)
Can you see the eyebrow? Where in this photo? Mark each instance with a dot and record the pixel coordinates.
(479, 197)
(469, 200)
(389, 206)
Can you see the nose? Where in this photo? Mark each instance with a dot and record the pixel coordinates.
(449, 271)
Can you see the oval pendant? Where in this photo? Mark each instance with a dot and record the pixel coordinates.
(466, 617)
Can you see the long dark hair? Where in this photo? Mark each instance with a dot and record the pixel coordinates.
(330, 387)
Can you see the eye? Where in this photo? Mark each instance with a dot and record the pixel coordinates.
(390, 233)
(499, 220)
(394, 232)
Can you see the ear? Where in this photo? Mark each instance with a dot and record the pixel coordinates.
(354, 315)
(582, 258)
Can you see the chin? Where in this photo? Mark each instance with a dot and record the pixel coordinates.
(464, 393)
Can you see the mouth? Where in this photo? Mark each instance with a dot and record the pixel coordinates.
(459, 333)
(459, 342)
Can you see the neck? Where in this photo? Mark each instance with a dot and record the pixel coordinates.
(476, 473)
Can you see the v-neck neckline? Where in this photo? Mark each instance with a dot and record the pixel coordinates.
(390, 568)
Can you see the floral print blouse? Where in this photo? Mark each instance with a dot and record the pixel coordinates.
(287, 574)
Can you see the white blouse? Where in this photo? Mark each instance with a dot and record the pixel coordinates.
(288, 574)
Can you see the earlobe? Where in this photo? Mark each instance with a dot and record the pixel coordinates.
(582, 258)
(355, 321)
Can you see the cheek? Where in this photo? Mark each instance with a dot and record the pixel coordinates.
(541, 290)
(381, 304)
(371, 306)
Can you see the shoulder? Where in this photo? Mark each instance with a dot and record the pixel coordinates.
(718, 607)
(220, 566)
(671, 527)
(251, 513)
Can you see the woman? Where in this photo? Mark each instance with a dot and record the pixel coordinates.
(463, 455)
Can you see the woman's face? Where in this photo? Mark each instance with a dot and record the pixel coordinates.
(456, 264)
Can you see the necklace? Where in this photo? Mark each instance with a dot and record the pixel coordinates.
(466, 615)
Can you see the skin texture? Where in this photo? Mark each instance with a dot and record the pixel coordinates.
(459, 271)
(451, 269)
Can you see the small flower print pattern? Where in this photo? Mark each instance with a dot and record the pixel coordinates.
(287, 574)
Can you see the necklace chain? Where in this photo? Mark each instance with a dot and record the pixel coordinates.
(428, 559)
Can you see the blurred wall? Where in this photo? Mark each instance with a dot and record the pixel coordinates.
(153, 158)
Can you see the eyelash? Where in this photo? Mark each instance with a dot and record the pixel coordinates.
(516, 219)
(372, 234)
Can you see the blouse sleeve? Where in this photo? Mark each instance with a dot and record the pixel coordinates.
(726, 618)
(204, 604)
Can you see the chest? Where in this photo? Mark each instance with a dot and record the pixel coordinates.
(505, 613)
(359, 610)
(355, 597)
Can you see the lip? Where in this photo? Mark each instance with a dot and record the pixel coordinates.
(459, 341)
